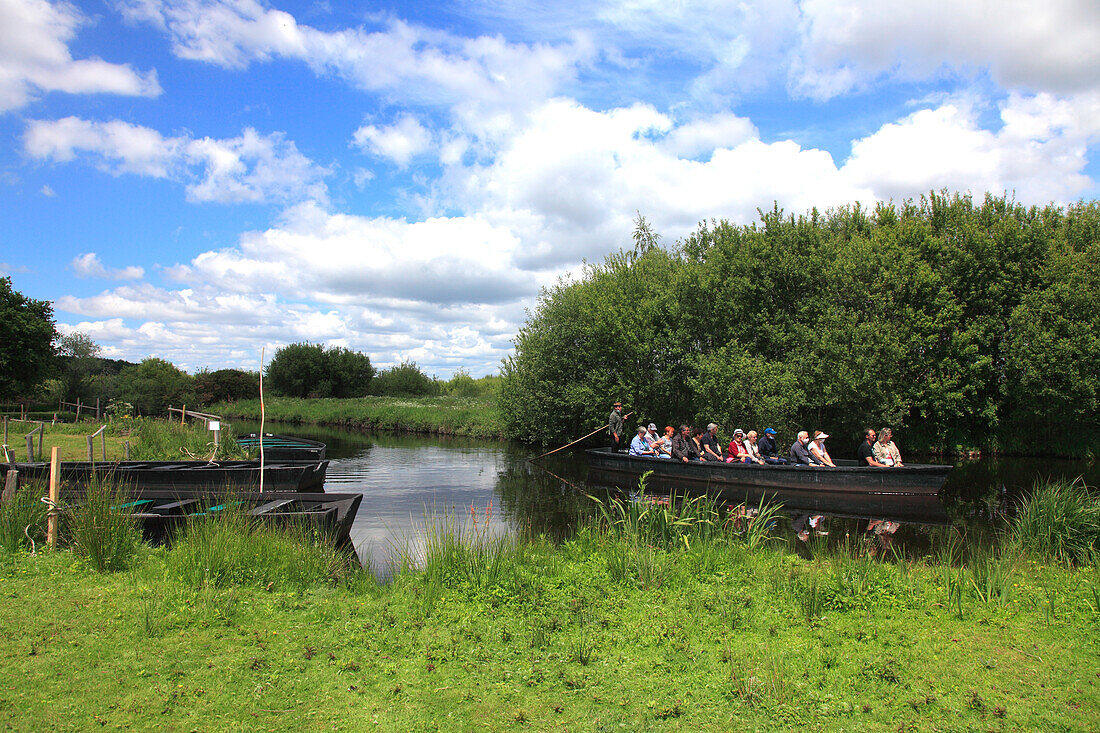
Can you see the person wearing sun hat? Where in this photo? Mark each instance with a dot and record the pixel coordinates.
(817, 449)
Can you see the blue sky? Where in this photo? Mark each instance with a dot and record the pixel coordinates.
(196, 180)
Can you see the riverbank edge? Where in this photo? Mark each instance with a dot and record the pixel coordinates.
(448, 416)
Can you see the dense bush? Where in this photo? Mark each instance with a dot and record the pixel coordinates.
(404, 380)
(967, 325)
(311, 370)
(229, 385)
(152, 386)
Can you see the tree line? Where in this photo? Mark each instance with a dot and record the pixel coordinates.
(963, 324)
(38, 365)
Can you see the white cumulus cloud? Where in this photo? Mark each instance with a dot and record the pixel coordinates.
(249, 168)
(399, 142)
(35, 57)
(89, 265)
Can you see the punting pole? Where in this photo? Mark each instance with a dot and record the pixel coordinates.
(602, 427)
(262, 350)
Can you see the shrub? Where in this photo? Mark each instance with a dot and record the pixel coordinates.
(1060, 520)
(404, 380)
(226, 384)
(23, 518)
(102, 529)
(311, 370)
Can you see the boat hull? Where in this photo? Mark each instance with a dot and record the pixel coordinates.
(302, 476)
(908, 493)
(285, 447)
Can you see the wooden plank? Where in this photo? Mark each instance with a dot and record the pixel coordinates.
(270, 506)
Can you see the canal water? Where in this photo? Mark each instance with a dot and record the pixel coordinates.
(409, 482)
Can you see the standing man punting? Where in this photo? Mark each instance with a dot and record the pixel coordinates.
(615, 426)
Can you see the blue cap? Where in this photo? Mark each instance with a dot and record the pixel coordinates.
(769, 431)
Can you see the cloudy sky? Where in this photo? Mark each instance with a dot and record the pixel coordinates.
(195, 179)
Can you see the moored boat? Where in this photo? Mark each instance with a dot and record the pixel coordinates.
(284, 447)
(910, 492)
(197, 475)
(162, 511)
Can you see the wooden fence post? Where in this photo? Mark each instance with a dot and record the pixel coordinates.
(97, 409)
(103, 443)
(91, 454)
(30, 449)
(183, 414)
(5, 429)
(41, 432)
(55, 485)
(78, 409)
(11, 485)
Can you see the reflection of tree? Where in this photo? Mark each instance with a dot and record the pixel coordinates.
(540, 502)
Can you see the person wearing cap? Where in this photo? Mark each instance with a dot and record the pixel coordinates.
(640, 446)
(800, 455)
(885, 451)
(736, 452)
(711, 450)
(817, 449)
(769, 451)
(615, 425)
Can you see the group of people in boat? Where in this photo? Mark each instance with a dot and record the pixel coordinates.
(696, 444)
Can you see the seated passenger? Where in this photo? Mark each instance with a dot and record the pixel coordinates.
(800, 455)
(817, 449)
(640, 446)
(867, 452)
(769, 451)
(663, 444)
(736, 451)
(683, 447)
(885, 451)
(697, 438)
(709, 441)
(752, 449)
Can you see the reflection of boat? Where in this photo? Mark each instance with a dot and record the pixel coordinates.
(161, 511)
(196, 475)
(284, 447)
(910, 492)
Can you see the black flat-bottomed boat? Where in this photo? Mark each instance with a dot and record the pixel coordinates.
(284, 447)
(299, 476)
(909, 492)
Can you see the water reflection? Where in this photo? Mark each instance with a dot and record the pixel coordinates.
(408, 481)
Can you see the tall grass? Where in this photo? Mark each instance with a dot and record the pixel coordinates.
(228, 548)
(154, 439)
(102, 531)
(23, 518)
(468, 416)
(1060, 521)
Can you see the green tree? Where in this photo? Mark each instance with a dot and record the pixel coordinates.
(229, 385)
(26, 345)
(350, 372)
(299, 370)
(152, 386)
(78, 360)
(404, 380)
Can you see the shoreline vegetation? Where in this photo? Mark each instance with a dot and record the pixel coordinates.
(475, 417)
(650, 617)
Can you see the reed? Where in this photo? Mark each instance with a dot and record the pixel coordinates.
(223, 547)
(23, 518)
(154, 439)
(102, 530)
(1059, 521)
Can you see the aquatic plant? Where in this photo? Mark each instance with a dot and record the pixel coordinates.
(1059, 520)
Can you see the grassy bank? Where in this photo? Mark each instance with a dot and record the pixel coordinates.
(467, 416)
(150, 439)
(645, 620)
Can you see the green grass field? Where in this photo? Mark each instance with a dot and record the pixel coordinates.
(467, 416)
(642, 621)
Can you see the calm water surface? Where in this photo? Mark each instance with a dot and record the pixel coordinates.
(408, 482)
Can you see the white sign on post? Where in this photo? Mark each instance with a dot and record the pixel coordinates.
(216, 426)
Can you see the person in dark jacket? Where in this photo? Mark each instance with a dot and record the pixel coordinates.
(683, 447)
(800, 454)
(615, 425)
(769, 451)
